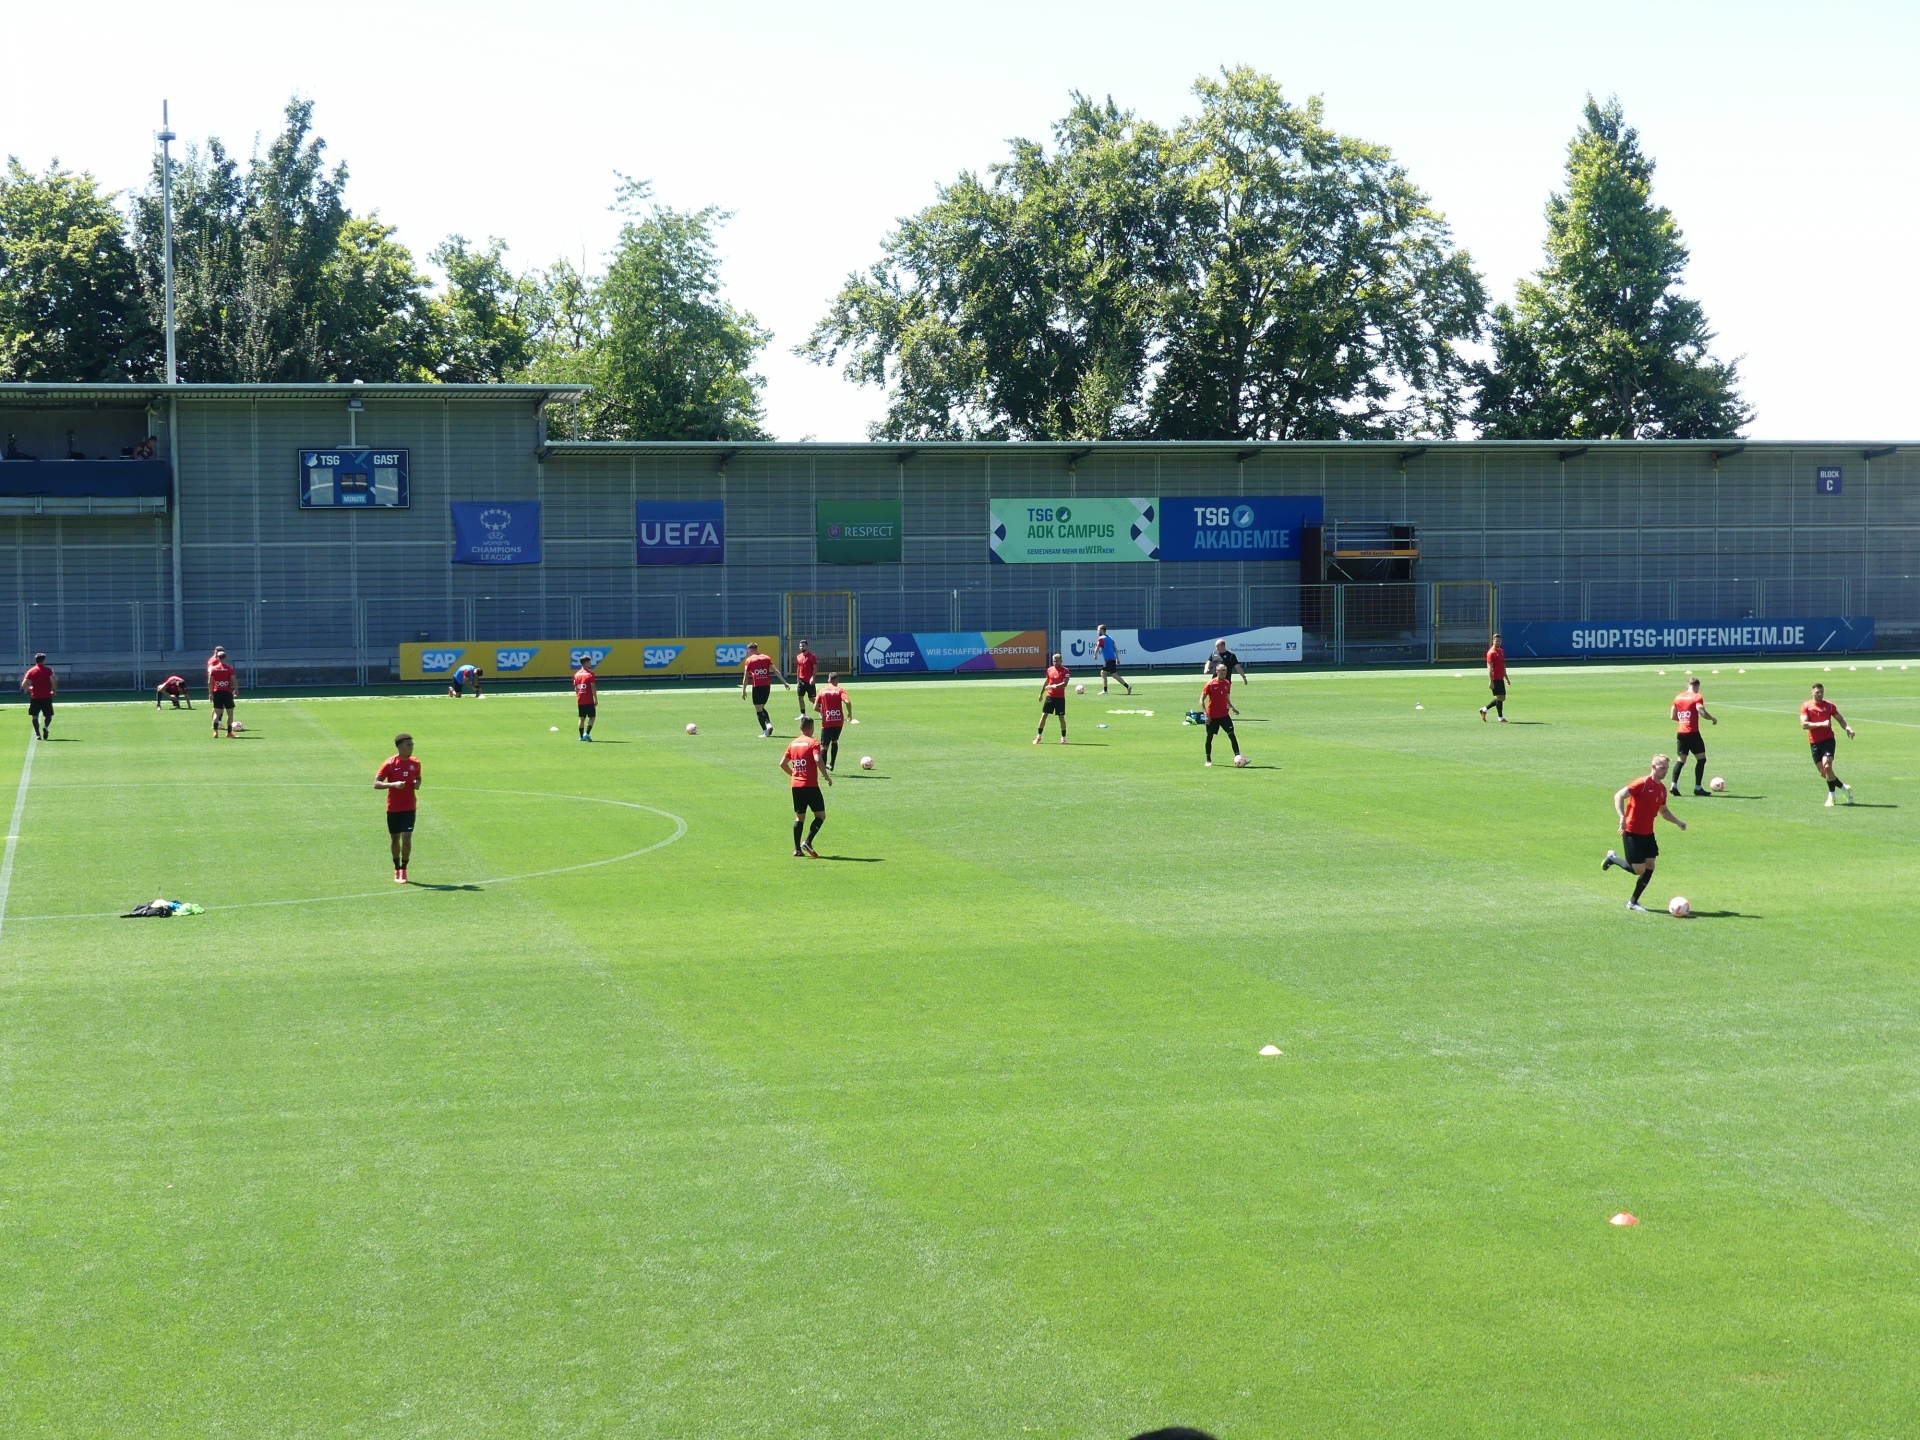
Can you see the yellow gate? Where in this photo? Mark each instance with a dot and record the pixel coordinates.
(826, 620)
(1463, 619)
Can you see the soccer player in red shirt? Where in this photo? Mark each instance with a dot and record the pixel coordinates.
(220, 689)
(835, 711)
(1637, 804)
(400, 778)
(805, 765)
(758, 672)
(1817, 718)
(172, 688)
(1053, 699)
(585, 697)
(40, 685)
(1216, 698)
(1496, 680)
(805, 663)
(1689, 709)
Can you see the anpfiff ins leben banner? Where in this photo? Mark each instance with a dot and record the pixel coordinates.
(1235, 527)
(680, 532)
(1073, 532)
(857, 532)
(496, 532)
(1686, 637)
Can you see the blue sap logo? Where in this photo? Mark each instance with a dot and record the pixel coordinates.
(659, 657)
(729, 655)
(438, 662)
(511, 660)
(595, 653)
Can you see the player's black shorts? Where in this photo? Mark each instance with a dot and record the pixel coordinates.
(1823, 750)
(1499, 688)
(587, 712)
(1054, 705)
(222, 699)
(1215, 724)
(830, 735)
(1639, 848)
(1691, 743)
(456, 687)
(400, 822)
(808, 797)
(806, 689)
(760, 693)
(1109, 667)
(40, 707)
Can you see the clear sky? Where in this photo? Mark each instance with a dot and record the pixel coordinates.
(1785, 135)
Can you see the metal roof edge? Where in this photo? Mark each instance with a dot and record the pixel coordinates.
(1248, 448)
(58, 389)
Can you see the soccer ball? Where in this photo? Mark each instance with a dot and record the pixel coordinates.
(693, 729)
(1079, 689)
(1716, 784)
(1239, 762)
(238, 726)
(866, 762)
(1679, 908)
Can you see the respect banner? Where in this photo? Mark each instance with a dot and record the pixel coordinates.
(1686, 637)
(1262, 645)
(857, 532)
(557, 659)
(1053, 532)
(954, 650)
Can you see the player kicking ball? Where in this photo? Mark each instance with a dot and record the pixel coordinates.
(172, 688)
(1109, 653)
(1053, 699)
(585, 696)
(1216, 698)
(757, 674)
(400, 778)
(1689, 709)
(1817, 718)
(805, 764)
(1637, 804)
(835, 711)
(1496, 681)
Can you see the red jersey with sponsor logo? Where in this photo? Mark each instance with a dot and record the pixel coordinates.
(804, 756)
(1686, 710)
(1057, 677)
(583, 685)
(759, 669)
(39, 680)
(219, 678)
(1646, 798)
(805, 663)
(1496, 664)
(1822, 711)
(404, 773)
(833, 706)
(176, 685)
(1218, 693)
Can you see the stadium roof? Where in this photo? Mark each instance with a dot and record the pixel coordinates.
(68, 393)
(1073, 450)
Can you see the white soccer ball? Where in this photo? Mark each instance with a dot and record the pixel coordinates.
(1679, 908)
(238, 726)
(1716, 784)
(1240, 762)
(866, 762)
(693, 729)
(1079, 689)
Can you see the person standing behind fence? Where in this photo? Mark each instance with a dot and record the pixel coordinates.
(40, 685)
(1496, 680)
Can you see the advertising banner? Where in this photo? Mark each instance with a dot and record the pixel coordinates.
(954, 650)
(1074, 532)
(1628, 639)
(1235, 527)
(680, 532)
(857, 532)
(557, 659)
(496, 532)
(1264, 645)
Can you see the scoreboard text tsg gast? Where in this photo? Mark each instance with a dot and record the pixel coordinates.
(351, 478)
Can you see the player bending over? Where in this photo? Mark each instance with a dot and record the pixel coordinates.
(1496, 680)
(172, 688)
(400, 778)
(1636, 804)
(40, 685)
(1816, 718)
(1109, 654)
(220, 689)
(1053, 699)
(466, 675)
(1689, 709)
(835, 711)
(758, 675)
(585, 697)
(804, 764)
(805, 663)
(1216, 698)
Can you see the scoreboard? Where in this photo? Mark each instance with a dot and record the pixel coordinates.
(353, 479)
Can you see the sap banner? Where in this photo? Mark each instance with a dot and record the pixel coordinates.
(956, 650)
(1266, 645)
(1076, 532)
(1686, 637)
(680, 532)
(557, 659)
(496, 532)
(1235, 527)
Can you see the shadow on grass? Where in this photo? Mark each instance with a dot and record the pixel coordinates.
(856, 859)
(1729, 797)
(423, 885)
(1870, 805)
(1723, 915)
(838, 777)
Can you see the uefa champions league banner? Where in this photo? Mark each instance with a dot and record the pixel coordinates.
(1074, 532)
(922, 651)
(1236, 527)
(1630, 639)
(496, 532)
(557, 659)
(1264, 645)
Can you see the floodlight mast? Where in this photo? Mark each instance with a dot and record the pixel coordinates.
(167, 138)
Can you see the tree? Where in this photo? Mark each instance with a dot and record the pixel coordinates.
(1601, 344)
(481, 321)
(1251, 274)
(69, 292)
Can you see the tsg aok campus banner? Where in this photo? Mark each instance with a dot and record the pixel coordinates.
(1262, 645)
(680, 532)
(1686, 637)
(1073, 532)
(857, 532)
(496, 532)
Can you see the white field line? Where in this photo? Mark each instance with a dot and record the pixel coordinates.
(13, 828)
(1864, 719)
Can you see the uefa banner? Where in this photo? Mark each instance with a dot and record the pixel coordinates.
(1072, 532)
(1629, 639)
(856, 532)
(921, 651)
(557, 659)
(680, 532)
(1264, 645)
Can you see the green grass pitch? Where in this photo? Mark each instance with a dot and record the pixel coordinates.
(965, 1132)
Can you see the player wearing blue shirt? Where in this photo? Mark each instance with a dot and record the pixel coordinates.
(1108, 654)
(466, 675)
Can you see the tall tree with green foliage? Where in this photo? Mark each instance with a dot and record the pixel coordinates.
(1601, 344)
(481, 321)
(1251, 274)
(69, 290)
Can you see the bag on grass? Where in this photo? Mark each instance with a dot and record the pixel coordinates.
(163, 909)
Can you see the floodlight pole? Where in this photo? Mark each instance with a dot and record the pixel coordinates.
(173, 375)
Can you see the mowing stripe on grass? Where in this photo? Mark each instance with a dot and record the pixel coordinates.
(13, 828)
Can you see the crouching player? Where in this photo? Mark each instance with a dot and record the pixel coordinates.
(805, 766)
(1637, 804)
(466, 675)
(835, 711)
(172, 688)
(400, 778)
